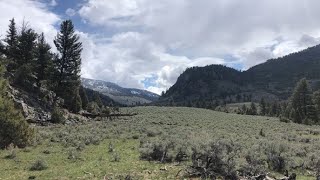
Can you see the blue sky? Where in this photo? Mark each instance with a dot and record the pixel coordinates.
(148, 44)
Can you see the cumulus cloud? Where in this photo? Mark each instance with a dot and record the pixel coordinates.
(70, 12)
(35, 12)
(129, 58)
(137, 41)
(53, 3)
(190, 33)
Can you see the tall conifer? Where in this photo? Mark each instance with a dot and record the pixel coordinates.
(67, 65)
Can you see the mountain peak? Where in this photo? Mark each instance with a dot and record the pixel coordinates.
(126, 96)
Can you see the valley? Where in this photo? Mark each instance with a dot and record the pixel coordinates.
(113, 149)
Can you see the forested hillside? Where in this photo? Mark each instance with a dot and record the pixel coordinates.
(272, 80)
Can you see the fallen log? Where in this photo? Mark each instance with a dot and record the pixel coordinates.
(89, 115)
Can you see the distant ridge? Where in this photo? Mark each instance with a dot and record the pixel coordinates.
(125, 96)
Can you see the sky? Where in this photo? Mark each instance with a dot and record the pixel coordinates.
(147, 44)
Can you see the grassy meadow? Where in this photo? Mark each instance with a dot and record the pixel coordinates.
(119, 148)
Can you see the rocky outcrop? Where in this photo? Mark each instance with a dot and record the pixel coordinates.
(36, 107)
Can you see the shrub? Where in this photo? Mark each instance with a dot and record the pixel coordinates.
(111, 147)
(13, 127)
(76, 102)
(153, 132)
(275, 157)
(115, 157)
(262, 133)
(158, 151)
(136, 136)
(74, 155)
(39, 165)
(255, 164)
(182, 153)
(214, 159)
(93, 108)
(12, 152)
(57, 116)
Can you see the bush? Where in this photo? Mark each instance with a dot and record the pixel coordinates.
(39, 165)
(275, 157)
(160, 150)
(57, 116)
(255, 164)
(214, 159)
(76, 102)
(12, 152)
(13, 127)
(115, 157)
(74, 155)
(93, 108)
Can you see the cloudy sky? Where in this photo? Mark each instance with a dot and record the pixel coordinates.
(146, 44)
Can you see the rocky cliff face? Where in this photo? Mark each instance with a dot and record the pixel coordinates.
(35, 107)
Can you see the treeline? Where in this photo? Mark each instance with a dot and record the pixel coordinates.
(28, 63)
(302, 107)
(31, 64)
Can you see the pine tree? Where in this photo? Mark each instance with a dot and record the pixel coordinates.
(2, 50)
(262, 107)
(253, 109)
(301, 102)
(316, 99)
(10, 49)
(67, 64)
(76, 101)
(13, 128)
(44, 64)
(25, 56)
(274, 109)
(97, 99)
(244, 109)
(84, 97)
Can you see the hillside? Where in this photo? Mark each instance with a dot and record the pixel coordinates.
(125, 96)
(272, 80)
(99, 149)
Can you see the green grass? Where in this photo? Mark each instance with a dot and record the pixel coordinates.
(182, 125)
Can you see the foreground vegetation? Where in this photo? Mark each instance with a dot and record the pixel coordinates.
(163, 142)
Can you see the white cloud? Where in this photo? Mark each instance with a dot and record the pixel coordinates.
(159, 39)
(129, 58)
(53, 3)
(70, 12)
(252, 31)
(34, 12)
(116, 12)
(206, 27)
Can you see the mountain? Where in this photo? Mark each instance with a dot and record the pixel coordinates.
(126, 96)
(272, 80)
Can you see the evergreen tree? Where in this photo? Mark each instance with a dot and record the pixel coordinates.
(274, 109)
(25, 56)
(253, 109)
(84, 97)
(316, 99)
(2, 49)
(44, 64)
(76, 101)
(67, 64)
(13, 128)
(244, 109)
(301, 102)
(97, 99)
(10, 49)
(262, 107)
